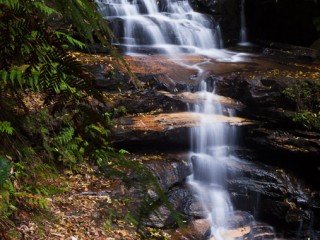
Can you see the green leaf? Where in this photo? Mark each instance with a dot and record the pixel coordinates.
(13, 74)
(45, 9)
(123, 152)
(10, 3)
(65, 136)
(70, 40)
(5, 127)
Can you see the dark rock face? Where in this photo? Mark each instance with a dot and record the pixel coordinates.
(170, 173)
(253, 93)
(180, 199)
(265, 102)
(258, 186)
(284, 21)
(268, 194)
(226, 13)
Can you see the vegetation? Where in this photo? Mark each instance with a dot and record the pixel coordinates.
(52, 116)
(305, 96)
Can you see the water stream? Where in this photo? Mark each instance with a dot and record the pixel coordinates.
(243, 27)
(172, 27)
(211, 148)
(169, 26)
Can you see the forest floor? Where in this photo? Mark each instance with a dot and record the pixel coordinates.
(88, 209)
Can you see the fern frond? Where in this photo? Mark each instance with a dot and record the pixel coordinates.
(9, 3)
(45, 9)
(65, 136)
(70, 40)
(5, 127)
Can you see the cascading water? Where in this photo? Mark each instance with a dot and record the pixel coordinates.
(171, 26)
(211, 149)
(243, 27)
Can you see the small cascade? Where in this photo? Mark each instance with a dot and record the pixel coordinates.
(211, 148)
(243, 28)
(169, 26)
(211, 151)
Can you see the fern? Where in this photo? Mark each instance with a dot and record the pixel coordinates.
(5, 127)
(32, 201)
(35, 63)
(65, 136)
(70, 40)
(45, 8)
(10, 3)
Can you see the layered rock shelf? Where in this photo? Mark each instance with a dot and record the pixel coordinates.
(282, 193)
(168, 121)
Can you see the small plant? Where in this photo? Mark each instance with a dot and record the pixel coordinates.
(307, 119)
(119, 111)
(5, 127)
(306, 98)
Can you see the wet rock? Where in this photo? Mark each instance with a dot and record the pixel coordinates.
(226, 13)
(253, 92)
(241, 225)
(172, 129)
(150, 100)
(169, 173)
(286, 51)
(263, 100)
(200, 228)
(180, 198)
(262, 231)
(275, 140)
(199, 98)
(161, 218)
(270, 194)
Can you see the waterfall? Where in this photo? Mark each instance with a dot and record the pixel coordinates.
(243, 28)
(211, 149)
(169, 26)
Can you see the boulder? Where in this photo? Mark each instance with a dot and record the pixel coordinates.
(169, 173)
(180, 198)
(271, 194)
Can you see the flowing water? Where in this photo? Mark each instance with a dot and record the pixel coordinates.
(243, 27)
(211, 148)
(169, 26)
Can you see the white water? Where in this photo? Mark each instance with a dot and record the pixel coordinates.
(243, 30)
(211, 149)
(145, 26)
(170, 27)
(243, 27)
